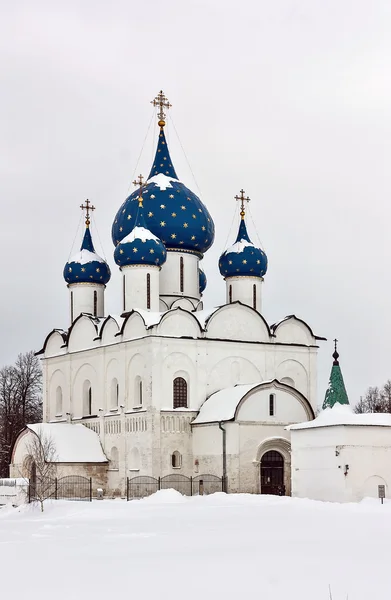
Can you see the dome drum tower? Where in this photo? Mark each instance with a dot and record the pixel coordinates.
(243, 266)
(86, 274)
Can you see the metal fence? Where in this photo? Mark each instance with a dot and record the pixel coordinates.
(140, 487)
(73, 487)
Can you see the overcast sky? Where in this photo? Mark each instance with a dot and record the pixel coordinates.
(290, 100)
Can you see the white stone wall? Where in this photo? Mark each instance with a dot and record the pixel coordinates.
(81, 299)
(320, 456)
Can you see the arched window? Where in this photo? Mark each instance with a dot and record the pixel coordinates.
(181, 273)
(138, 391)
(87, 399)
(176, 460)
(58, 401)
(148, 290)
(254, 296)
(71, 307)
(114, 394)
(95, 303)
(114, 459)
(134, 460)
(230, 294)
(179, 393)
(272, 407)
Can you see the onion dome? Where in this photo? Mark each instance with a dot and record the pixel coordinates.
(140, 246)
(202, 280)
(336, 391)
(173, 213)
(87, 266)
(243, 258)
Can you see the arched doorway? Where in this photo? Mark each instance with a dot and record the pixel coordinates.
(272, 473)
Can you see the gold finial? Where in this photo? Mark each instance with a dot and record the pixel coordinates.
(162, 102)
(242, 199)
(140, 181)
(87, 207)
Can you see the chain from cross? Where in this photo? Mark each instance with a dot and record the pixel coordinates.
(87, 207)
(242, 199)
(162, 102)
(140, 181)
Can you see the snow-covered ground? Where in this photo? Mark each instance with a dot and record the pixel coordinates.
(219, 547)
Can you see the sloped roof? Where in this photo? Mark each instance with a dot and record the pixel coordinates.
(344, 415)
(72, 443)
(222, 405)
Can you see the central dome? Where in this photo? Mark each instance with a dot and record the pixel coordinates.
(172, 212)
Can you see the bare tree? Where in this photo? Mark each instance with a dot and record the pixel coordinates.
(41, 464)
(20, 402)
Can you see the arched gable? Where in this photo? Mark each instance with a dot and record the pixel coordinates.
(55, 343)
(108, 331)
(83, 334)
(133, 327)
(184, 303)
(292, 330)
(179, 323)
(237, 321)
(289, 405)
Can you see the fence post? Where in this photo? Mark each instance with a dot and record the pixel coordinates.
(201, 487)
(127, 489)
(29, 491)
(90, 489)
(55, 489)
(159, 483)
(191, 485)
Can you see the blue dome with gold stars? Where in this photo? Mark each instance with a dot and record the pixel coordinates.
(86, 266)
(140, 246)
(243, 259)
(172, 212)
(201, 279)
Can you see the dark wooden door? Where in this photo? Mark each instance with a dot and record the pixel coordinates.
(272, 473)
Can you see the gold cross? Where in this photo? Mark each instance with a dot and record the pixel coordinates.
(162, 102)
(242, 199)
(141, 183)
(87, 207)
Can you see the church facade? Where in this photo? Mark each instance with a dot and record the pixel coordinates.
(171, 386)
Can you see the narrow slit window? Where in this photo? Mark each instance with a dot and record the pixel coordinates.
(181, 274)
(271, 405)
(140, 391)
(254, 296)
(123, 291)
(230, 294)
(90, 401)
(72, 307)
(95, 303)
(148, 290)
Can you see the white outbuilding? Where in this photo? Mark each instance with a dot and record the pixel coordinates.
(341, 456)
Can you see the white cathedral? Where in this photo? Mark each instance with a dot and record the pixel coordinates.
(171, 386)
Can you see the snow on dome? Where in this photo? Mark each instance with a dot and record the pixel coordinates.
(172, 212)
(72, 443)
(87, 266)
(140, 246)
(243, 259)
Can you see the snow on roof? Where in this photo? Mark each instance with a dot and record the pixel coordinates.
(162, 181)
(221, 406)
(85, 256)
(344, 415)
(139, 233)
(150, 318)
(72, 443)
(239, 246)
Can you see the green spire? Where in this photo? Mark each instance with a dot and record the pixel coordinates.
(336, 391)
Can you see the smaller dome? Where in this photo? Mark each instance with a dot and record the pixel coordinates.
(243, 259)
(202, 280)
(140, 246)
(87, 266)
